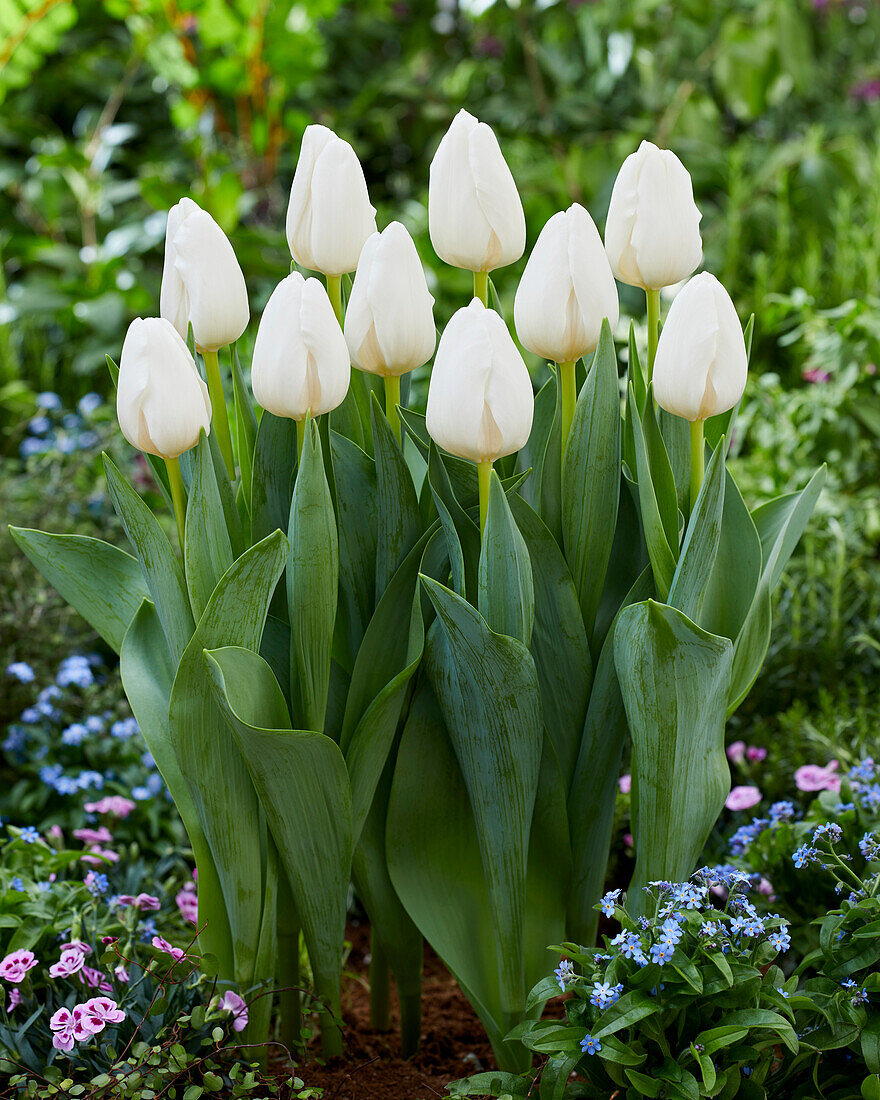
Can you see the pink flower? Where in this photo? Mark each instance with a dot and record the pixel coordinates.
(164, 945)
(70, 962)
(100, 1011)
(743, 798)
(813, 778)
(625, 783)
(62, 1023)
(145, 902)
(101, 835)
(55, 833)
(231, 1002)
(121, 973)
(14, 967)
(77, 945)
(736, 752)
(188, 903)
(96, 856)
(94, 979)
(14, 999)
(113, 804)
(756, 753)
(766, 887)
(628, 840)
(815, 375)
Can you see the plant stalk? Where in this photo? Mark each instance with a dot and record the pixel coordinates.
(484, 476)
(392, 400)
(380, 986)
(481, 286)
(568, 387)
(698, 460)
(218, 409)
(334, 292)
(653, 297)
(289, 999)
(178, 497)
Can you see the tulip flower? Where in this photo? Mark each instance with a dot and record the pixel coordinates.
(329, 216)
(161, 401)
(475, 216)
(652, 232)
(389, 323)
(202, 285)
(701, 363)
(300, 364)
(480, 401)
(566, 291)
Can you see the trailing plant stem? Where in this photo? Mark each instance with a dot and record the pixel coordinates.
(653, 297)
(484, 475)
(698, 460)
(392, 400)
(218, 409)
(380, 986)
(334, 292)
(481, 286)
(568, 389)
(178, 497)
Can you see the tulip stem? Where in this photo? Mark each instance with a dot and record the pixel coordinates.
(481, 286)
(334, 292)
(484, 476)
(392, 400)
(218, 409)
(653, 297)
(178, 496)
(698, 461)
(568, 387)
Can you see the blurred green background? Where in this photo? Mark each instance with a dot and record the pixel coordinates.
(110, 110)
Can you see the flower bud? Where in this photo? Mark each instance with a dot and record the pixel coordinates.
(202, 283)
(161, 401)
(701, 362)
(300, 362)
(652, 234)
(566, 289)
(475, 216)
(480, 401)
(329, 216)
(389, 323)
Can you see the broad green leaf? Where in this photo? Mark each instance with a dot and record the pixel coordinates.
(559, 641)
(629, 1009)
(737, 569)
(209, 759)
(357, 507)
(208, 552)
(234, 525)
(245, 429)
(693, 573)
(661, 471)
(591, 479)
(312, 585)
(549, 467)
(635, 374)
(461, 532)
(673, 678)
(593, 789)
(302, 783)
(400, 523)
(646, 1085)
(717, 1038)
(532, 455)
(677, 441)
(765, 1018)
(273, 474)
(101, 582)
(506, 592)
(147, 673)
(487, 689)
(663, 556)
(629, 556)
(162, 570)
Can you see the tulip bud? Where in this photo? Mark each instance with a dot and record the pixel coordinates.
(652, 234)
(701, 363)
(475, 216)
(300, 362)
(329, 216)
(389, 323)
(202, 283)
(480, 401)
(566, 289)
(161, 401)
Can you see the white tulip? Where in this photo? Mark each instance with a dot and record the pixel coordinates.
(566, 289)
(300, 362)
(202, 283)
(329, 216)
(652, 234)
(480, 401)
(475, 216)
(161, 401)
(701, 362)
(389, 322)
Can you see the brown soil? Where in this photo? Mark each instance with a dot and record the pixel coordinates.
(453, 1041)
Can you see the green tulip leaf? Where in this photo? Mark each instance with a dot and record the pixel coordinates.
(208, 552)
(245, 429)
(532, 455)
(273, 474)
(549, 468)
(734, 579)
(699, 550)
(400, 523)
(101, 582)
(462, 533)
(506, 594)
(357, 506)
(662, 554)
